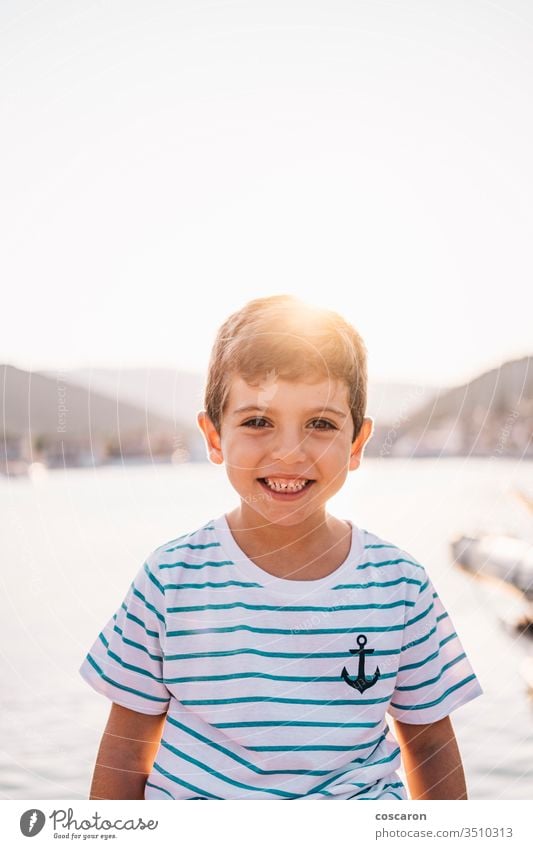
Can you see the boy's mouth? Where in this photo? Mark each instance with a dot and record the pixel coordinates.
(286, 486)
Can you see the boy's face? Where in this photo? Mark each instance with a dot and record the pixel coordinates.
(290, 432)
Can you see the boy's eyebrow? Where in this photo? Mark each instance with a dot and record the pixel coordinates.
(251, 407)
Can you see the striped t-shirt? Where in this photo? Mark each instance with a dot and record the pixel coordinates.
(274, 688)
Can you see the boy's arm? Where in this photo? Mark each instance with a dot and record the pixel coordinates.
(432, 761)
(126, 755)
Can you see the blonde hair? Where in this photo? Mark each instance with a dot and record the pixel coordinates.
(285, 337)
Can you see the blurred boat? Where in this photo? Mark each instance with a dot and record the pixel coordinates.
(507, 562)
(501, 558)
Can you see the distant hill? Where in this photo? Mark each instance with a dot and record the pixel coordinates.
(490, 415)
(175, 395)
(56, 417)
(497, 392)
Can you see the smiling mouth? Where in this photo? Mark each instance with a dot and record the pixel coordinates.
(286, 486)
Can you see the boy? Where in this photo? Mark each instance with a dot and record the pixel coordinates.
(257, 657)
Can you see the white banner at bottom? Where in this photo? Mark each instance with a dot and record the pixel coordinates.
(257, 824)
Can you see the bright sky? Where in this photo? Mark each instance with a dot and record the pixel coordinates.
(164, 162)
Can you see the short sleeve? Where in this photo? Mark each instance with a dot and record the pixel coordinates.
(125, 663)
(435, 676)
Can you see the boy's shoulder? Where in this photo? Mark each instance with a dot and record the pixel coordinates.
(381, 553)
(186, 547)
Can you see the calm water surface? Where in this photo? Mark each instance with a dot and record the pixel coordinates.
(72, 541)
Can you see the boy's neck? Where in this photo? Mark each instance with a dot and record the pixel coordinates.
(305, 551)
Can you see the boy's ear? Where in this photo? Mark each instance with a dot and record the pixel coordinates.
(212, 438)
(356, 453)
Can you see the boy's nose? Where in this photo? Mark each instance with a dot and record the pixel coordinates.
(289, 447)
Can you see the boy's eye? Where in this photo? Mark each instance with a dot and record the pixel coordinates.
(328, 425)
(253, 422)
(257, 420)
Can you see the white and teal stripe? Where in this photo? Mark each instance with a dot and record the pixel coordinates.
(247, 668)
